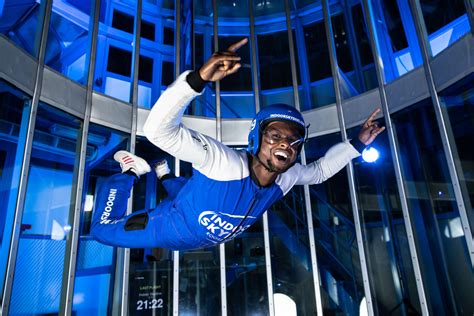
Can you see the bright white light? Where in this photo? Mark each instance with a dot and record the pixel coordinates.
(89, 203)
(453, 229)
(363, 308)
(57, 231)
(284, 305)
(370, 154)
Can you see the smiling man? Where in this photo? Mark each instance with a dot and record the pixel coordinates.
(230, 189)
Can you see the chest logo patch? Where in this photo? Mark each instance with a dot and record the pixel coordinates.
(220, 225)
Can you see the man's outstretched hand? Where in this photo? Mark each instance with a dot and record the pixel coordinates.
(222, 63)
(370, 129)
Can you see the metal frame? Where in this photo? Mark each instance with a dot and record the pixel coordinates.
(394, 148)
(314, 260)
(446, 133)
(123, 254)
(219, 138)
(256, 89)
(176, 161)
(470, 14)
(14, 243)
(350, 167)
(69, 272)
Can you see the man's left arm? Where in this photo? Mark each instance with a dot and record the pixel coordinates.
(339, 155)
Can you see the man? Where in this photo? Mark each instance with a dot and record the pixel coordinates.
(230, 189)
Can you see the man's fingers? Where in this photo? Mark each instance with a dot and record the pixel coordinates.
(234, 69)
(237, 45)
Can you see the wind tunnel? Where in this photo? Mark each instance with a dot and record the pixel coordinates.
(392, 237)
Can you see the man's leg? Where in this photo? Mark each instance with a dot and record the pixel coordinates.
(109, 225)
(171, 183)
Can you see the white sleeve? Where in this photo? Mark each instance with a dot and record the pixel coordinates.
(164, 129)
(336, 158)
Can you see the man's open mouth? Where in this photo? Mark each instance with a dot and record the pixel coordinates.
(281, 155)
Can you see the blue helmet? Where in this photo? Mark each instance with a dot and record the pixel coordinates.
(272, 113)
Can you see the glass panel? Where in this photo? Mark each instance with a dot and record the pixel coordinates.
(386, 243)
(336, 244)
(95, 269)
(22, 23)
(113, 70)
(291, 257)
(151, 269)
(202, 49)
(45, 223)
(312, 55)
(237, 98)
(273, 53)
(68, 48)
(459, 102)
(156, 64)
(246, 276)
(444, 260)
(199, 275)
(396, 37)
(446, 21)
(356, 67)
(13, 128)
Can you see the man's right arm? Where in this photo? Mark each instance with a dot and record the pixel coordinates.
(163, 126)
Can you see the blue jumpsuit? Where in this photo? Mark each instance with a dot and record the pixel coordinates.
(220, 200)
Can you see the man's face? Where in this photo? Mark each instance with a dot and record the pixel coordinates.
(279, 146)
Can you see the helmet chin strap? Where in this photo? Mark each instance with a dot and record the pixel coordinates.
(269, 166)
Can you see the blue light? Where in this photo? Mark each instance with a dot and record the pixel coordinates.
(370, 154)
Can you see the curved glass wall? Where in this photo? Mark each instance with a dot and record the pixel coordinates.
(199, 275)
(446, 21)
(334, 231)
(157, 50)
(396, 36)
(446, 270)
(114, 62)
(14, 106)
(38, 286)
(151, 269)
(386, 243)
(356, 70)
(69, 39)
(45, 222)
(95, 269)
(22, 23)
(459, 103)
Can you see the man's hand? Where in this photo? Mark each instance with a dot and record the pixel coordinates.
(223, 63)
(370, 129)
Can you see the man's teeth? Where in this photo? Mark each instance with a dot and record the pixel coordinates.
(281, 154)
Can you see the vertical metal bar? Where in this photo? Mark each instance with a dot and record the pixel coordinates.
(69, 274)
(14, 243)
(268, 265)
(309, 216)
(353, 44)
(219, 138)
(446, 133)
(177, 59)
(177, 38)
(470, 13)
(135, 71)
(253, 51)
(394, 148)
(350, 167)
(177, 172)
(256, 89)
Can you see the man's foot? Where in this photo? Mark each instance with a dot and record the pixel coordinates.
(162, 169)
(130, 162)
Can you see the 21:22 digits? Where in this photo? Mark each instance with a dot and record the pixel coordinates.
(149, 304)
